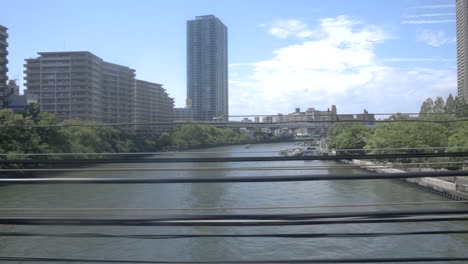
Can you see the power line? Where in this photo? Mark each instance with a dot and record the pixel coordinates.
(249, 168)
(235, 159)
(121, 210)
(203, 152)
(274, 218)
(247, 124)
(338, 260)
(233, 179)
(63, 210)
(263, 235)
(141, 223)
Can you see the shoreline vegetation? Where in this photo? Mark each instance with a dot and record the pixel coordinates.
(449, 133)
(40, 132)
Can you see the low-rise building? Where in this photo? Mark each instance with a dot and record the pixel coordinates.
(184, 114)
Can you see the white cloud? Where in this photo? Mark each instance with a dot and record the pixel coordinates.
(442, 21)
(435, 38)
(429, 15)
(337, 66)
(291, 27)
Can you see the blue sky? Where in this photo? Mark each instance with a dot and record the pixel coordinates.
(384, 56)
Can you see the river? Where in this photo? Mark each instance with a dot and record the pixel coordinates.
(227, 195)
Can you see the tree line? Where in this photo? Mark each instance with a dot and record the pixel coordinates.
(414, 136)
(40, 132)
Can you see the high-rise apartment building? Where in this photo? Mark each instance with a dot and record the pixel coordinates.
(78, 84)
(154, 112)
(207, 68)
(462, 48)
(117, 92)
(67, 84)
(3, 63)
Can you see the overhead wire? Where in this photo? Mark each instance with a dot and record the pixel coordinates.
(421, 215)
(232, 179)
(234, 159)
(243, 168)
(208, 152)
(246, 261)
(233, 235)
(236, 123)
(61, 210)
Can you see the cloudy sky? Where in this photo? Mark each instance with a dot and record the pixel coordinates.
(383, 56)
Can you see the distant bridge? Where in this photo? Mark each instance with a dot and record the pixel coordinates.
(273, 126)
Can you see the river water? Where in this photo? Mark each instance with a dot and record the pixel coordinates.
(228, 195)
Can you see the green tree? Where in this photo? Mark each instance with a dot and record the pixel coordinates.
(415, 136)
(427, 106)
(349, 136)
(458, 141)
(439, 105)
(450, 105)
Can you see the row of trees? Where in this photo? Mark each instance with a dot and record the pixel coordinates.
(422, 135)
(451, 106)
(41, 132)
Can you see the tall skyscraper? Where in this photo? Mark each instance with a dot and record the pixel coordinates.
(462, 46)
(207, 68)
(3, 63)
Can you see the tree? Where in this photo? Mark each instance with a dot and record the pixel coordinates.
(461, 107)
(427, 106)
(349, 136)
(450, 105)
(439, 105)
(415, 137)
(164, 140)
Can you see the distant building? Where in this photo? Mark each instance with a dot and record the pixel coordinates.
(153, 112)
(267, 119)
(19, 103)
(67, 84)
(462, 48)
(311, 114)
(12, 88)
(117, 93)
(78, 84)
(207, 72)
(246, 120)
(183, 114)
(3, 63)
(279, 118)
(345, 117)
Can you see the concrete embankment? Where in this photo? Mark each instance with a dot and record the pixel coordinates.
(457, 190)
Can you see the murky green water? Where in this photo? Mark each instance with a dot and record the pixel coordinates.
(227, 195)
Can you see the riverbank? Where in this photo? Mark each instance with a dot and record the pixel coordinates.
(456, 190)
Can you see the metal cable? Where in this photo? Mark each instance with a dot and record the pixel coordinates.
(203, 152)
(235, 159)
(245, 219)
(328, 260)
(257, 168)
(263, 235)
(237, 179)
(225, 124)
(232, 208)
(120, 222)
